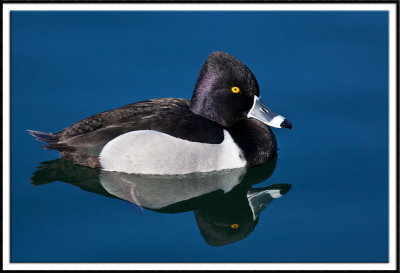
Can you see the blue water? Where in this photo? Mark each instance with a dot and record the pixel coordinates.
(325, 71)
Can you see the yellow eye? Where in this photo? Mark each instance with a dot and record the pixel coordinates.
(235, 89)
(234, 226)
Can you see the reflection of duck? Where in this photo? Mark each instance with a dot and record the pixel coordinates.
(224, 126)
(225, 206)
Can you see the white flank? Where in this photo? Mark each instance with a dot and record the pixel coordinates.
(152, 152)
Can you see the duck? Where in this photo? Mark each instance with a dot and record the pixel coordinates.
(225, 125)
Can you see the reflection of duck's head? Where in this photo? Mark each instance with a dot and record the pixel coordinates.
(233, 217)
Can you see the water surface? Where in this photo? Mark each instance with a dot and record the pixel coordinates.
(325, 71)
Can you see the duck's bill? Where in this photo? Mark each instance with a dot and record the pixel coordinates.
(264, 114)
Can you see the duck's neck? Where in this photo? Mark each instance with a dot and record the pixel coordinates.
(212, 109)
(256, 140)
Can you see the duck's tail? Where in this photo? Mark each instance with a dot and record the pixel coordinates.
(43, 136)
(50, 138)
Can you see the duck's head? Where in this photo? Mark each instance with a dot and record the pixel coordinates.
(227, 91)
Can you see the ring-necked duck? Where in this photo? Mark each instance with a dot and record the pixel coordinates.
(224, 126)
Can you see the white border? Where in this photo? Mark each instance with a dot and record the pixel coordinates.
(393, 165)
(200, 7)
(391, 8)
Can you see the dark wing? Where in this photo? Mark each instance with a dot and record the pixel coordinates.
(108, 118)
(83, 141)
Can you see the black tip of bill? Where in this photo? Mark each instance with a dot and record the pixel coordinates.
(286, 124)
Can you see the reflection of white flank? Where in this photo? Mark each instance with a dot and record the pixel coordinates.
(133, 193)
(152, 152)
(158, 191)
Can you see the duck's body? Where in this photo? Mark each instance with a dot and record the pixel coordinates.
(172, 136)
(144, 137)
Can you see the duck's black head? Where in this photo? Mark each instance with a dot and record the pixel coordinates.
(227, 91)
